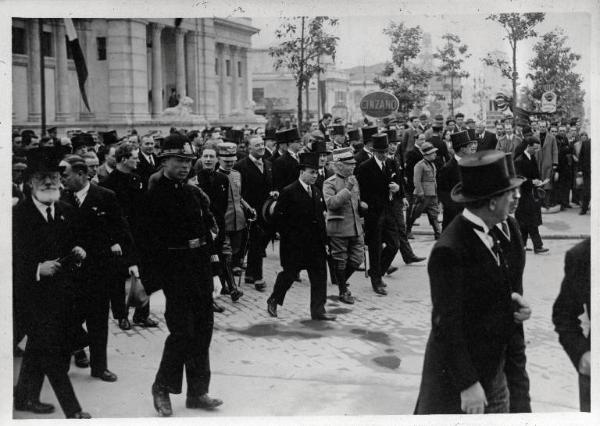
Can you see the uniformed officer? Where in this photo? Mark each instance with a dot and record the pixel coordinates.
(301, 224)
(179, 256)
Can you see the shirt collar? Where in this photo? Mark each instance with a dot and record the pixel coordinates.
(472, 217)
(253, 159)
(528, 155)
(456, 157)
(305, 186)
(82, 193)
(379, 163)
(42, 207)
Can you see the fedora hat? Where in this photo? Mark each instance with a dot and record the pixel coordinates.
(380, 142)
(483, 175)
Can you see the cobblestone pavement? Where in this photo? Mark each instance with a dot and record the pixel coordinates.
(367, 362)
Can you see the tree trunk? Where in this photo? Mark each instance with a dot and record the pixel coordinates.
(301, 75)
(514, 78)
(307, 104)
(452, 94)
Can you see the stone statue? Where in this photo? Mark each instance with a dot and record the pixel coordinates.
(182, 111)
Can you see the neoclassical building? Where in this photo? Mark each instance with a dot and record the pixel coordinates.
(133, 65)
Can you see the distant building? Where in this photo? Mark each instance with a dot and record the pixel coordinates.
(133, 65)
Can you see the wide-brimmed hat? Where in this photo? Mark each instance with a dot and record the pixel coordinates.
(427, 148)
(460, 139)
(176, 145)
(368, 132)
(483, 175)
(309, 159)
(345, 155)
(380, 142)
(287, 135)
(353, 135)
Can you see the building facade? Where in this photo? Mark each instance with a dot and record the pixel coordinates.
(133, 66)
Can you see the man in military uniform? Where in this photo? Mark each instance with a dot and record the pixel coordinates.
(344, 228)
(300, 220)
(179, 255)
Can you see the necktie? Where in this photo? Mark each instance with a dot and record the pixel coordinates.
(151, 161)
(77, 201)
(49, 217)
(259, 164)
(309, 190)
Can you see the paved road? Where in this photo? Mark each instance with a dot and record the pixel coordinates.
(367, 362)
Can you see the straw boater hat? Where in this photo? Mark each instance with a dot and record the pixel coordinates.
(483, 175)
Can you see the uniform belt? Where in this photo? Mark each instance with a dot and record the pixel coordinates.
(191, 244)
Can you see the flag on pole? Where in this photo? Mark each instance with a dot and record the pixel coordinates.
(78, 58)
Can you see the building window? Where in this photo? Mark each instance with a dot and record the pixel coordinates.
(19, 42)
(227, 67)
(239, 67)
(216, 66)
(258, 94)
(340, 97)
(101, 45)
(47, 44)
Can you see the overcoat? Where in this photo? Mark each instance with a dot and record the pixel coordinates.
(528, 211)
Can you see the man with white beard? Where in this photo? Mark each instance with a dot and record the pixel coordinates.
(44, 252)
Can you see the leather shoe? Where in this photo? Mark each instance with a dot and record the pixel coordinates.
(415, 260)
(541, 250)
(81, 359)
(391, 270)
(236, 294)
(106, 376)
(346, 297)
(324, 317)
(272, 308)
(380, 290)
(260, 285)
(80, 415)
(145, 322)
(36, 407)
(124, 324)
(204, 401)
(162, 401)
(217, 308)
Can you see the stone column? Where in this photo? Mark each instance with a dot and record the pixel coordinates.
(157, 84)
(221, 76)
(180, 62)
(62, 73)
(89, 52)
(191, 68)
(234, 79)
(127, 70)
(246, 94)
(207, 88)
(33, 70)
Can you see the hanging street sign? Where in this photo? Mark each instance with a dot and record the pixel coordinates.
(379, 104)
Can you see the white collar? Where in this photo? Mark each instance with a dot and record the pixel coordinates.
(252, 158)
(528, 155)
(82, 193)
(108, 168)
(305, 186)
(379, 163)
(457, 158)
(500, 227)
(484, 235)
(42, 208)
(472, 217)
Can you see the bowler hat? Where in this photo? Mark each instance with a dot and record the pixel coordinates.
(320, 146)
(226, 149)
(345, 155)
(287, 135)
(368, 132)
(460, 139)
(338, 130)
(176, 145)
(380, 142)
(353, 135)
(309, 159)
(483, 175)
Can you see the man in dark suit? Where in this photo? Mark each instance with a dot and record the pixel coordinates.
(529, 214)
(148, 162)
(485, 140)
(585, 171)
(365, 153)
(323, 173)
(128, 186)
(301, 223)
(257, 178)
(324, 125)
(449, 176)
(573, 301)
(43, 232)
(106, 237)
(409, 136)
(285, 168)
(472, 323)
(269, 141)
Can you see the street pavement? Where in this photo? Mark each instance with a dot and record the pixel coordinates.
(368, 362)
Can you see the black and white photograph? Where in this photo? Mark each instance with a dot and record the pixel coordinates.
(310, 212)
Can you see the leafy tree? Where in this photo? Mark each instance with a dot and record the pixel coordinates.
(452, 56)
(302, 42)
(407, 81)
(552, 66)
(518, 27)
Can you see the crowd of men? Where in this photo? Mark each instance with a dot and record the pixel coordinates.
(93, 211)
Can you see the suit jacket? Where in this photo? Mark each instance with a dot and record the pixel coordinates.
(412, 157)
(547, 157)
(102, 173)
(528, 211)
(285, 171)
(327, 173)
(489, 141)
(343, 218)
(408, 141)
(216, 186)
(257, 185)
(472, 319)
(572, 300)
(301, 225)
(145, 169)
(42, 308)
(424, 179)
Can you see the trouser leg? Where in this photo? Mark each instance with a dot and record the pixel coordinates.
(389, 237)
(31, 377)
(56, 367)
(256, 247)
(432, 209)
(117, 298)
(403, 244)
(97, 324)
(197, 365)
(536, 239)
(283, 282)
(317, 274)
(584, 393)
